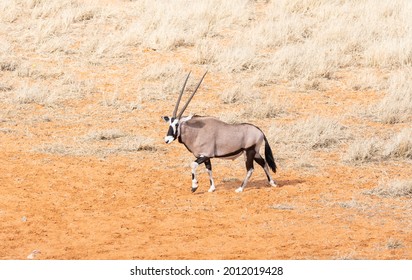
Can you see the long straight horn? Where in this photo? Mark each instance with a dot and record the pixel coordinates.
(180, 96)
(191, 96)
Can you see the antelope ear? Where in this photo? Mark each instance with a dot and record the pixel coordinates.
(166, 118)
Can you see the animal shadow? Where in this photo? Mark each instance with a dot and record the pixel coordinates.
(232, 185)
(258, 184)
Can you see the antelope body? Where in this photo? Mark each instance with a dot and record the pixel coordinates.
(208, 137)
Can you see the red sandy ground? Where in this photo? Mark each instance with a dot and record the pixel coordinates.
(139, 206)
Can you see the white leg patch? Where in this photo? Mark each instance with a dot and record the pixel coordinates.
(212, 183)
(194, 184)
(239, 190)
(194, 165)
(273, 183)
(248, 175)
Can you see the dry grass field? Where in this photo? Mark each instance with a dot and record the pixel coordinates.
(85, 173)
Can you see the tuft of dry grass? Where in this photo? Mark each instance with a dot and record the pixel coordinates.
(163, 72)
(206, 52)
(6, 130)
(367, 79)
(400, 145)
(394, 244)
(396, 106)
(352, 204)
(315, 132)
(346, 256)
(301, 65)
(362, 151)
(231, 117)
(8, 66)
(238, 58)
(269, 108)
(392, 189)
(33, 94)
(282, 207)
(107, 134)
(4, 88)
(240, 93)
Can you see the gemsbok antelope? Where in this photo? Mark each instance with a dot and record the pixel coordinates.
(208, 137)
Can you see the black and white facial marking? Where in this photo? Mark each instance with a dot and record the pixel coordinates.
(172, 132)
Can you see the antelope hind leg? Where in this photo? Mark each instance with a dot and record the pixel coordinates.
(250, 154)
(258, 158)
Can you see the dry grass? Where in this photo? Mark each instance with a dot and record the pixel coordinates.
(394, 244)
(33, 94)
(87, 146)
(164, 72)
(346, 256)
(241, 93)
(362, 151)
(271, 108)
(396, 106)
(108, 134)
(392, 189)
(315, 132)
(398, 147)
(304, 44)
(367, 80)
(311, 40)
(4, 88)
(231, 117)
(282, 207)
(8, 66)
(353, 204)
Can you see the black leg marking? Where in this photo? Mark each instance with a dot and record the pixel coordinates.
(201, 160)
(262, 162)
(208, 164)
(250, 154)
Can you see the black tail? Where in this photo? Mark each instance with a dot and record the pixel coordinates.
(269, 156)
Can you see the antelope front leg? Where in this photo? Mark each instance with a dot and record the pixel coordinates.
(195, 185)
(194, 166)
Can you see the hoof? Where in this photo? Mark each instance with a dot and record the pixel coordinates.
(273, 184)
(239, 190)
(211, 190)
(194, 189)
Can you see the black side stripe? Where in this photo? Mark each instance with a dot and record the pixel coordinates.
(236, 152)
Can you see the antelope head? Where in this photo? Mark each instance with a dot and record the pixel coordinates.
(174, 120)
